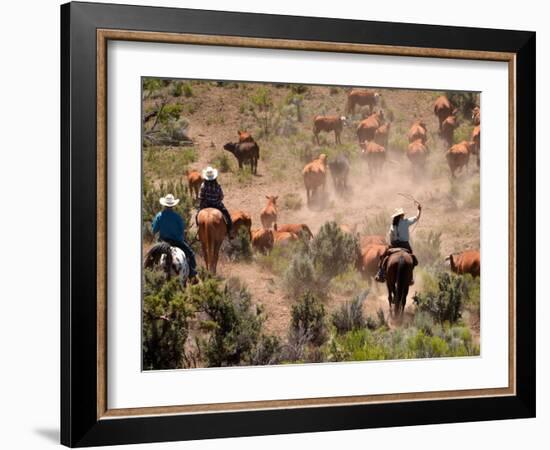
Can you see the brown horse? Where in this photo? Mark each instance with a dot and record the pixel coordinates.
(399, 272)
(212, 232)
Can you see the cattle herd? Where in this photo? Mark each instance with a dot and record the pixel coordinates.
(372, 133)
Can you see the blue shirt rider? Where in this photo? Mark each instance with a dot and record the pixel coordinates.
(170, 227)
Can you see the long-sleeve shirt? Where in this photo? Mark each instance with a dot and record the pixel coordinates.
(170, 225)
(401, 231)
(211, 194)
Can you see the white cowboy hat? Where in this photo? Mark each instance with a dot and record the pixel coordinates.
(209, 173)
(398, 212)
(169, 201)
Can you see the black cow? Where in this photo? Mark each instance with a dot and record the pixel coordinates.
(339, 170)
(245, 152)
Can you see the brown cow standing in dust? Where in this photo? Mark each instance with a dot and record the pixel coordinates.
(262, 240)
(328, 124)
(268, 216)
(468, 261)
(442, 109)
(296, 228)
(374, 154)
(315, 176)
(448, 128)
(194, 180)
(417, 131)
(366, 130)
(417, 153)
(458, 156)
(240, 220)
(476, 139)
(361, 97)
(381, 135)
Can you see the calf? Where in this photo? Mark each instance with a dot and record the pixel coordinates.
(328, 124)
(296, 228)
(262, 240)
(245, 136)
(194, 180)
(268, 216)
(245, 152)
(315, 174)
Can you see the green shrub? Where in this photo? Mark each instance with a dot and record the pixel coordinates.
(462, 133)
(300, 275)
(239, 248)
(177, 90)
(445, 303)
(349, 283)
(233, 326)
(150, 86)
(308, 317)
(333, 251)
(165, 326)
(292, 201)
(187, 90)
(350, 315)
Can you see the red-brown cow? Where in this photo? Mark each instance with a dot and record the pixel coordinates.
(374, 154)
(296, 228)
(315, 176)
(417, 131)
(458, 156)
(442, 109)
(468, 261)
(366, 130)
(381, 135)
(262, 240)
(417, 153)
(448, 129)
(328, 124)
(476, 139)
(361, 97)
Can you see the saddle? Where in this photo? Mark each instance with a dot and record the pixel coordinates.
(393, 250)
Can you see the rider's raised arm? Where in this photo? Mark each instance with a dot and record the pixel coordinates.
(414, 219)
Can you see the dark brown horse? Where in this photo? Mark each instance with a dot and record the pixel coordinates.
(399, 272)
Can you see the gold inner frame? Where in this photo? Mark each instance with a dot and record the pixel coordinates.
(103, 36)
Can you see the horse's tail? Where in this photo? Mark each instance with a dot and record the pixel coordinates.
(401, 282)
(205, 239)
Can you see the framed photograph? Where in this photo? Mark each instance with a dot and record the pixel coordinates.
(275, 224)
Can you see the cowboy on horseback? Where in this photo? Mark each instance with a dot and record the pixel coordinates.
(211, 195)
(399, 238)
(171, 229)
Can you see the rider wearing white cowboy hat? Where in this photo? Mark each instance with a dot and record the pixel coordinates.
(398, 236)
(171, 229)
(211, 195)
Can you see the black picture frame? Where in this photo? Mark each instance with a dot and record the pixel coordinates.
(80, 425)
